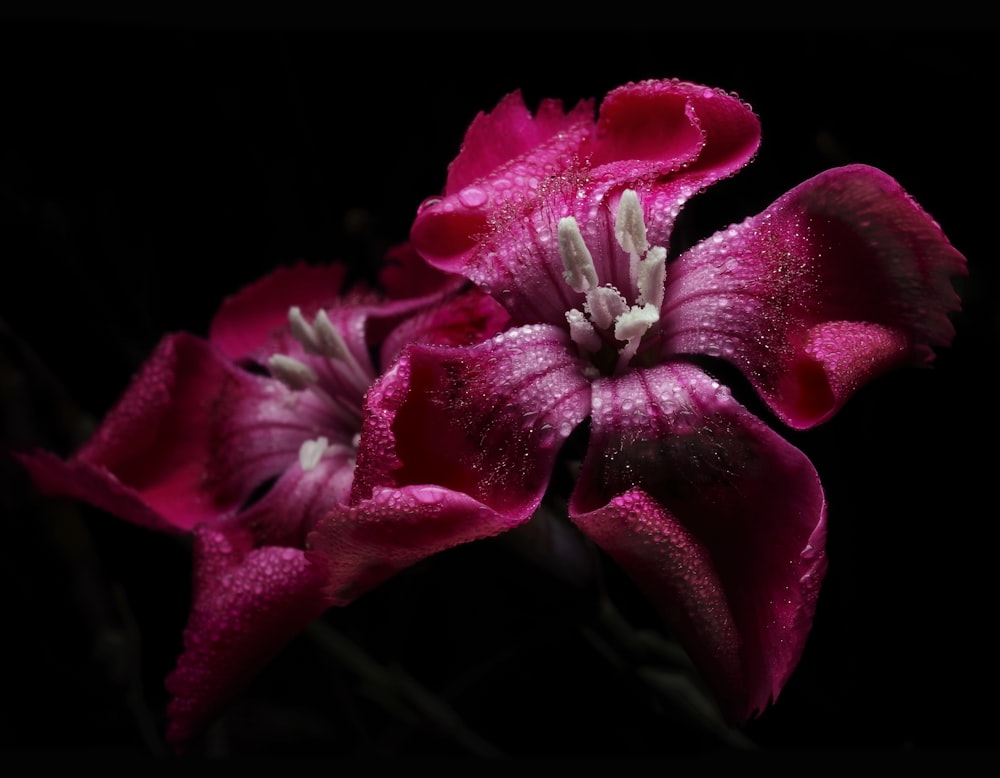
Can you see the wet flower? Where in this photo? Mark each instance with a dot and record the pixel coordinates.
(615, 361)
(245, 439)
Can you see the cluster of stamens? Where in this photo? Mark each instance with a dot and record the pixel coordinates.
(320, 339)
(607, 318)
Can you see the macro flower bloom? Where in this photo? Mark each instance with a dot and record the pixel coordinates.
(245, 439)
(614, 358)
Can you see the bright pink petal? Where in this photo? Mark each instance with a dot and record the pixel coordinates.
(192, 437)
(248, 319)
(153, 447)
(672, 136)
(248, 603)
(840, 280)
(366, 544)
(508, 132)
(717, 519)
(486, 421)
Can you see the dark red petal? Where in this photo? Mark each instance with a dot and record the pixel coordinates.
(717, 519)
(658, 127)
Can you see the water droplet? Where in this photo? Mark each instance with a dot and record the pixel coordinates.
(472, 197)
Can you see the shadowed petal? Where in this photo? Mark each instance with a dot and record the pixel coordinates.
(249, 318)
(719, 521)
(365, 544)
(840, 280)
(248, 603)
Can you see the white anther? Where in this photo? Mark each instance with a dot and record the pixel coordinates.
(291, 372)
(630, 229)
(580, 273)
(582, 332)
(303, 331)
(635, 322)
(311, 451)
(652, 272)
(605, 304)
(330, 341)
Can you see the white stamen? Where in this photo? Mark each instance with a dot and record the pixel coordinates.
(311, 451)
(630, 229)
(331, 342)
(635, 322)
(580, 273)
(582, 332)
(605, 304)
(303, 331)
(651, 275)
(291, 372)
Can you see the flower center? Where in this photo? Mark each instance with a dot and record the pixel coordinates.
(332, 375)
(609, 330)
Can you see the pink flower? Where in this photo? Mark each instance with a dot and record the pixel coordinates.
(617, 352)
(245, 439)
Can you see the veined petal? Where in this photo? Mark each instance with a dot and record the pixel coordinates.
(840, 280)
(248, 604)
(363, 545)
(486, 420)
(248, 319)
(291, 507)
(718, 520)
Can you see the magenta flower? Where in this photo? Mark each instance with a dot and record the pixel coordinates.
(245, 440)
(567, 223)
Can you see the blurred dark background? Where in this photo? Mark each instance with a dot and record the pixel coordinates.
(149, 167)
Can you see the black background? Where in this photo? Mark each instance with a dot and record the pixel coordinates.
(150, 166)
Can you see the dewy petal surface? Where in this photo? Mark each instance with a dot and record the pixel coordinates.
(365, 544)
(719, 521)
(670, 135)
(486, 420)
(840, 280)
(457, 445)
(247, 604)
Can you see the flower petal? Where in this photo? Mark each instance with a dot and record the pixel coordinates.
(508, 132)
(291, 507)
(248, 603)
(486, 420)
(147, 460)
(715, 517)
(668, 138)
(670, 126)
(248, 319)
(363, 545)
(459, 320)
(840, 280)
